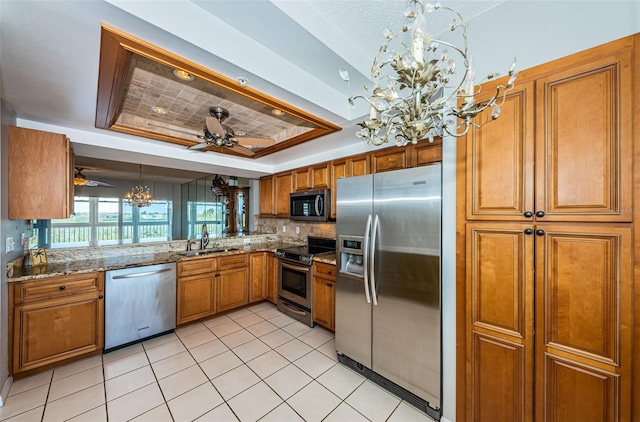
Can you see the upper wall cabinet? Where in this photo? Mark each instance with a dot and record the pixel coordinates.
(274, 194)
(565, 156)
(40, 175)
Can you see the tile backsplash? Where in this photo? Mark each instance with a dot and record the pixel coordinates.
(275, 226)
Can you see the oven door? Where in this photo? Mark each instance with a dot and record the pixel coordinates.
(294, 283)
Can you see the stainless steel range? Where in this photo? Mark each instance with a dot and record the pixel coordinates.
(295, 276)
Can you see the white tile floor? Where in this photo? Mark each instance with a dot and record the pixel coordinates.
(252, 364)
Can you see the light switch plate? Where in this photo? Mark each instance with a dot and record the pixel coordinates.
(9, 244)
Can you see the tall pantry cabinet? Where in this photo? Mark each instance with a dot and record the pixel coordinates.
(545, 245)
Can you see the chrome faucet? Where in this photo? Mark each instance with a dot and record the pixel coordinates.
(190, 244)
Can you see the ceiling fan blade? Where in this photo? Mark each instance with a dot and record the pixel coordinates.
(96, 183)
(199, 146)
(255, 142)
(243, 150)
(214, 126)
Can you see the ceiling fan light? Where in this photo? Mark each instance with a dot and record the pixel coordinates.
(183, 75)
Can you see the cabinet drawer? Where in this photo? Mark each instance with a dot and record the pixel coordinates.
(30, 291)
(324, 270)
(196, 266)
(232, 261)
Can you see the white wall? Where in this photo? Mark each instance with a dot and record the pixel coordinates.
(535, 32)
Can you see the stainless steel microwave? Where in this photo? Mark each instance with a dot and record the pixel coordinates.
(313, 205)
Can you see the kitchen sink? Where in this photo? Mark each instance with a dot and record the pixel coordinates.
(205, 252)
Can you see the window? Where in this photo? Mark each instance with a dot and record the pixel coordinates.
(106, 221)
(210, 213)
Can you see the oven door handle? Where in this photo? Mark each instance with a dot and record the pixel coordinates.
(365, 254)
(295, 267)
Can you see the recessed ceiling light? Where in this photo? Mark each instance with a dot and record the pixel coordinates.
(240, 132)
(182, 75)
(159, 110)
(277, 112)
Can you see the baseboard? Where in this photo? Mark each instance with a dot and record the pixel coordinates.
(443, 419)
(5, 390)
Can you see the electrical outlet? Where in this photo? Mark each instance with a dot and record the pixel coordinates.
(297, 230)
(284, 229)
(9, 244)
(246, 240)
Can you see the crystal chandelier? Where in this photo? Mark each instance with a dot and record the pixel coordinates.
(424, 97)
(139, 195)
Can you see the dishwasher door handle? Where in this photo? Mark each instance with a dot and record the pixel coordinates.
(144, 274)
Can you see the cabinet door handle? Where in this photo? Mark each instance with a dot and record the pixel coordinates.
(528, 214)
(528, 231)
(100, 297)
(328, 284)
(217, 275)
(540, 232)
(539, 213)
(62, 287)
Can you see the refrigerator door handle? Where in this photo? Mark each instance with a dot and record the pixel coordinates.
(365, 254)
(372, 276)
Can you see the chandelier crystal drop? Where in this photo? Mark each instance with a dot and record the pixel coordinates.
(139, 195)
(424, 96)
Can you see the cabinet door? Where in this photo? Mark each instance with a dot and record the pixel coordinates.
(196, 298)
(393, 158)
(500, 160)
(40, 189)
(272, 277)
(258, 277)
(232, 289)
(320, 176)
(425, 153)
(358, 165)
(283, 185)
(499, 335)
(584, 141)
(323, 310)
(49, 331)
(266, 196)
(583, 320)
(302, 179)
(338, 170)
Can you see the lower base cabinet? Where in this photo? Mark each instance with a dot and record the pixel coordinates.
(196, 298)
(324, 295)
(232, 289)
(272, 278)
(258, 268)
(55, 319)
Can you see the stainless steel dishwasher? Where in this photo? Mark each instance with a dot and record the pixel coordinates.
(140, 302)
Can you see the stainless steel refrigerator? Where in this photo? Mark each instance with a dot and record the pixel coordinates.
(388, 300)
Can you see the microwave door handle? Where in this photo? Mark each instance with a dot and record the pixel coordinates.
(318, 205)
(365, 263)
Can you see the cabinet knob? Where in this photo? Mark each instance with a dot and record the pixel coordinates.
(539, 213)
(328, 284)
(62, 287)
(528, 214)
(100, 297)
(528, 231)
(540, 232)
(217, 275)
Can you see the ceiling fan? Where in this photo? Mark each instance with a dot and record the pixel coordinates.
(216, 134)
(81, 180)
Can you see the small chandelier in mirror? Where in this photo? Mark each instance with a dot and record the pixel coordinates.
(424, 97)
(139, 195)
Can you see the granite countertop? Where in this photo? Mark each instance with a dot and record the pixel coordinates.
(327, 258)
(53, 269)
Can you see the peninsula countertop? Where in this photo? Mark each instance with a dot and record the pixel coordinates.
(107, 263)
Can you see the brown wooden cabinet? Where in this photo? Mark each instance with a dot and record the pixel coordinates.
(358, 165)
(272, 277)
(388, 159)
(274, 194)
(258, 275)
(54, 319)
(324, 294)
(196, 289)
(302, 179)
(40, 174)
(545, 246)
(425, 153)
(320, 176)
(232, 282)
(338, 170)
